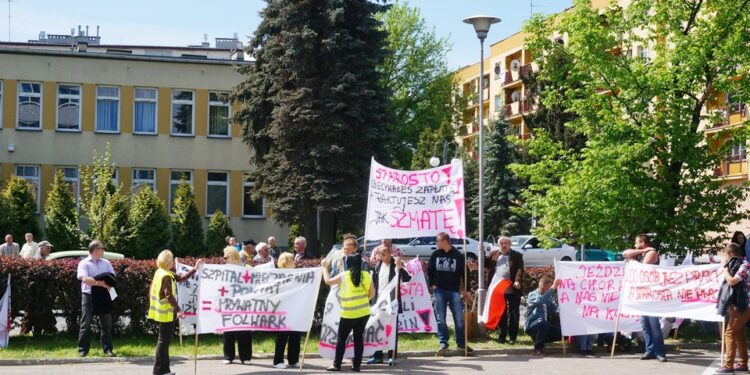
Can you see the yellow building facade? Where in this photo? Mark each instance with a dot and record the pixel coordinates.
(165, 117)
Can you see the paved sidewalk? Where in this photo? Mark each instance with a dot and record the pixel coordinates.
(685, 362)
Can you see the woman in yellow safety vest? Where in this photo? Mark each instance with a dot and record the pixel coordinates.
(244, 339)
(355, 293)
(163, 306)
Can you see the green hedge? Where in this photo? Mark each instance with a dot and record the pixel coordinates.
(38, 283)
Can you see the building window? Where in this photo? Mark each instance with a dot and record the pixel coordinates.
(251, 208)
(174, 180)
(107, 109)
(217, 192)
(30, 173)
(738, 152)
(145, 111)
(218, 114)
(70, 177)
(143, 178)
(643, 54)
(69, 107)
(182, 112)
(29, 106)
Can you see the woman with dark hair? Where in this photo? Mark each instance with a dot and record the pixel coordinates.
(739, 238)
(356, 292)
(732, 304)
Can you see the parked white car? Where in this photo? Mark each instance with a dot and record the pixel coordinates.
(425, 246)
(536, 256)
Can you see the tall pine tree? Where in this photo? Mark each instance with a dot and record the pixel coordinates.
(149, 223)
(21, 202)
(502, 187)
(187, 225)
(314, 111)
(61, 216)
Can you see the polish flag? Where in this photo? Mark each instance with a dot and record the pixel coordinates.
(494, 305)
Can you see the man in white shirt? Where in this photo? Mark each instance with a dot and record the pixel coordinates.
(30, 249)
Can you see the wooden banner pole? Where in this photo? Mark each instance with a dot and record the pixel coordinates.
(304, 351)
(195, 352)
(466, 303)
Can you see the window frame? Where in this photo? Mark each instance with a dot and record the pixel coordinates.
(177, 183)
(68, 96)
(139, 181)
(96, 108)
(40, 95)
(228, 105)
(37, 179)
(156, 110)
(225, 211)
(245, 196)
(174, 101)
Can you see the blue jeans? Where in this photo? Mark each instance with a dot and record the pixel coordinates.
(586, 342)
(452, 299)
(652, 334)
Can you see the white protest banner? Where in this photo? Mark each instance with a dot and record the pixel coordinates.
(589, 295)
(688, 292)
(417, 315)
(380, 331)
(5, 317)
(187, 298)
(235, 298)
(404, 204)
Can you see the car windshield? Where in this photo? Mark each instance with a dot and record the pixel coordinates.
(517, 241)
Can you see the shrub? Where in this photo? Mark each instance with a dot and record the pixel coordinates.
(21, 205)
(149, 223)
(217, 232)
(61, 217)
(187, 226)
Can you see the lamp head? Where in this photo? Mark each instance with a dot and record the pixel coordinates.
(434, 161)
(482, 24)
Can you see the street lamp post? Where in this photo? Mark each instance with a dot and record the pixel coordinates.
(481, 25)
(435, 161)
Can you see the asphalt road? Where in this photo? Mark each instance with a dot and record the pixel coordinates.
(685, 362)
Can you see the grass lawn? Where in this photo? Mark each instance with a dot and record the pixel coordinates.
(64, 345)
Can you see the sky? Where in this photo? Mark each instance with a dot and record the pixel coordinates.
(179, 23)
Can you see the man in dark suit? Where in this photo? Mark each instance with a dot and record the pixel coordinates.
(509, 265)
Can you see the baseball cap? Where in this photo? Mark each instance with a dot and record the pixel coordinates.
(46, 243)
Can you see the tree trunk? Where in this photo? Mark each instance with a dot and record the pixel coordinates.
(327, 231)
(311, 232)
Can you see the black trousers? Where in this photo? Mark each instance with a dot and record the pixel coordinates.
(345, 326)
(161, 365)
(244, 341)
(290, 338)
(84, 334)
(509, 322)
(543, 333)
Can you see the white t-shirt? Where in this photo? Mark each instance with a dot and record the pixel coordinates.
(30, 250)
(383, 278)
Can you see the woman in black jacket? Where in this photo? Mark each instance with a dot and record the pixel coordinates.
(386, 269)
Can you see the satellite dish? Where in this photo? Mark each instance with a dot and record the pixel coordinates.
(515, 65)
(497, 69)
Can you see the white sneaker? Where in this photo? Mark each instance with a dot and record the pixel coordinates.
(226, 362)
(294, 364)
(280, 365)
(246, 362)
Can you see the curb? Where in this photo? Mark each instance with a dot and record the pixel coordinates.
(414, 354)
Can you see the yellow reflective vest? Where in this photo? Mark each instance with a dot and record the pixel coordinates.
(355, 300)
(161, 310)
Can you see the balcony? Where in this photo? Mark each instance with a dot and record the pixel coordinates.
(734, 167)
(515, 76)
(731, 115)
(518, 108)
(473, 98)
